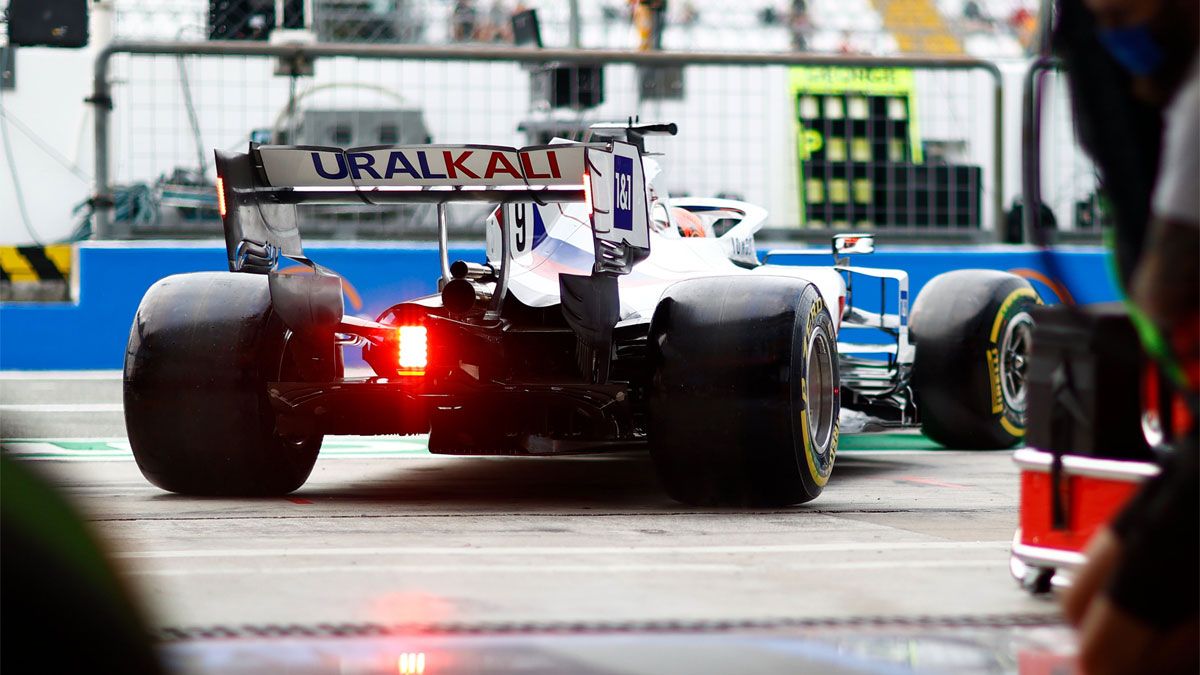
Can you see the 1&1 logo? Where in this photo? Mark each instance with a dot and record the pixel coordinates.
(622, 192)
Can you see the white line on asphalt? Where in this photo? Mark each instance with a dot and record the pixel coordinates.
(567, 569)
(68, 458)
(61, 407)
(566, 550)
(72, 375)
(118, 449)
(60, 375)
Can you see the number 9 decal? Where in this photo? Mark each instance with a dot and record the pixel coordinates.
(520, 221)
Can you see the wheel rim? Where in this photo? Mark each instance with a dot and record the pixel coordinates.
(818, 387)
(1014, 360)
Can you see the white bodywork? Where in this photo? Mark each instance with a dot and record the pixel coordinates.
(558, 239)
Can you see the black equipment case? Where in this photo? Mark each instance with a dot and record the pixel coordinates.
(1084, 383)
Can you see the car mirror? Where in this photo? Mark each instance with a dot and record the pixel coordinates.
(853, 244)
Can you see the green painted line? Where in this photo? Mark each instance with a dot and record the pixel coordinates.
(898, 441)
(888, 441)
(81, 445)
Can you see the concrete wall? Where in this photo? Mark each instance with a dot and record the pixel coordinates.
(90, 333)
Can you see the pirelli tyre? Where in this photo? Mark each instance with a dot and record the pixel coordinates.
(972, 331)
(743, 404)
(201, 351)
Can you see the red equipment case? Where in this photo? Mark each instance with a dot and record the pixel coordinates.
(1090, 493)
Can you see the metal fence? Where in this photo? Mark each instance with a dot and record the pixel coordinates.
(1057, 174)
(703, 25)
(745, 130)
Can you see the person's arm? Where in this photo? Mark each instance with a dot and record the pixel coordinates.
(1165, 285)
(1166, 282)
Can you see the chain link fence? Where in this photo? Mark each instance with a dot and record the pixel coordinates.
(908, 146)
(993, 28)
(609, 24)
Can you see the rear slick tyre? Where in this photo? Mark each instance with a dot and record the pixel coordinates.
(972, 329)
(201, 352)
(744, 398)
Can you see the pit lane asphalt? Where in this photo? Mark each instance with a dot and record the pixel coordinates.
(385, 533)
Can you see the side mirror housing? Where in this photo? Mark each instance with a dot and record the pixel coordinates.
(853, 244)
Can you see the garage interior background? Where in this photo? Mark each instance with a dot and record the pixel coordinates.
(824, 148)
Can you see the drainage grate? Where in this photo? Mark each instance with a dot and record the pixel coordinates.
(358, 630)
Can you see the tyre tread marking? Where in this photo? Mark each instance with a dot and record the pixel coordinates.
(1011, 428)
(819, 477)
(813, 471)
(993, 366)
(993, 359)
(1008, 302)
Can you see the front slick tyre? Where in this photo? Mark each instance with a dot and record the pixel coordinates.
(201, 351)
(744, 400)
(972, 332)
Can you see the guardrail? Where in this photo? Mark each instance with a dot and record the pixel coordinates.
(739, 129)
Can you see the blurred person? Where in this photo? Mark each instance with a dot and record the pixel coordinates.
(1132, 67)
(846, 46)
(649, 18)
(464, 21)
(611, 13)
(971, 11)
(1024, 24)
(973, 17)
(800, 25)
(689, 16)
(498, 24)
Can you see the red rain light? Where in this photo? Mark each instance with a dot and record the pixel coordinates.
(221, 196)
(412, 355)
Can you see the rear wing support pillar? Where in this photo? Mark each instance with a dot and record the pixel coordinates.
(493, 312)
(443, 245)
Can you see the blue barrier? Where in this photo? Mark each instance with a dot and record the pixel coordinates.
(91, 333)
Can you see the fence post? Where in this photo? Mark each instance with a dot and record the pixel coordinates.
(1031, 149)
(998, 158)
(101, 101)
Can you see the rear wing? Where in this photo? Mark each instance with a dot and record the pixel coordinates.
(258, 191)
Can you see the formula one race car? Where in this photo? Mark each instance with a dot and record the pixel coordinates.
(606, 316)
